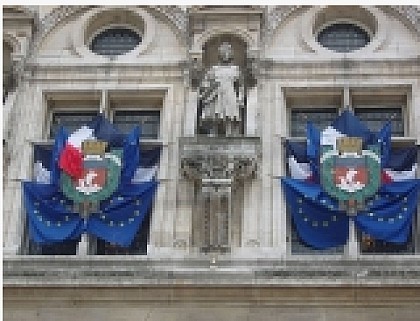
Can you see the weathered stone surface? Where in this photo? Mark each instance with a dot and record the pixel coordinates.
(260, 279)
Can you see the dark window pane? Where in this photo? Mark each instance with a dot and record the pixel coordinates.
(115, 41)
(148, 120)
(343, 37)
(64, 248)
(375, 118)
(320, 117)
(71, 121)
(368, 245)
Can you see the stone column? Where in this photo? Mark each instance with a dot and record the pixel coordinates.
(279, 170)
(414, 131)
(183, 222)
(266, 99)
(352, 247)
(104, 103)
(190, 120)
(217, 232)
(24, 130)
(168, 219)
(162, 222)
(250, 219)
(251, 112)
(251, 188)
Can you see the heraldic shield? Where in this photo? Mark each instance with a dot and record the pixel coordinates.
(99, 175)
(351, 174)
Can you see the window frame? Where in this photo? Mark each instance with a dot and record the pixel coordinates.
(102, 29)
(396, 141)
(348, 22)
(86, 102)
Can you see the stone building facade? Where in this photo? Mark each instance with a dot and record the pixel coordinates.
(145, 64)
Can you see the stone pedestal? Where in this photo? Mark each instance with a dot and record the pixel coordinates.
(217, 166)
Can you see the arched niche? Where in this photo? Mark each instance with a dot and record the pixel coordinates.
(240, 52)
(210, 50)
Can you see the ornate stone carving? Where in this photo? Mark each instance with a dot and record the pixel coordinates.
(58, 15)
(219, 157)
(217, 165)
(411, 13)
(176, 16)
(277, 14)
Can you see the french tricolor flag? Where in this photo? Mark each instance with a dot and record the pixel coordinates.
(66, 154)
(398, 164)
(71, 157)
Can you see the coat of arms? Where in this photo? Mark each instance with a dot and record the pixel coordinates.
(350, 173)
(99, 175)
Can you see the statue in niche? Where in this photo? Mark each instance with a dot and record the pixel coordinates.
(222, 96)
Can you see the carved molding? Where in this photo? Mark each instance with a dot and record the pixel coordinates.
(178, 18)
(276, 15)
(219, 157)
(410, 13)
(134, 270)
(175, 15)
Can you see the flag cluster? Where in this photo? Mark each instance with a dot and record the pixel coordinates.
(53, 218)
(317, 217)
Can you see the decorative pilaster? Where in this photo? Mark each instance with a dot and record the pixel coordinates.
(279, 170)
(20, 146)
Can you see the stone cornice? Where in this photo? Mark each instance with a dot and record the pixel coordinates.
(318, 68)
(132, 271)
(13, 13)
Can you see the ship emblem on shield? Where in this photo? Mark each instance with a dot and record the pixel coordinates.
(93, 175)
(100, 174)
(350, 174)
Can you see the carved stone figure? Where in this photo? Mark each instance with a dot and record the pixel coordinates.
(222, 95)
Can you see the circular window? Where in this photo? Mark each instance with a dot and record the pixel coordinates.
(343, 37)
(115, 41)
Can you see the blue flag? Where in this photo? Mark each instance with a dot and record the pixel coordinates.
(384, 141)
(106, 131)
(59, 144)
(123, 215)
(51, 216)
(131, 155)
(348, 124)
(316, 216)
(313, 149)
(387, 216)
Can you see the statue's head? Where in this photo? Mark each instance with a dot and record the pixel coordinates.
(225, 52)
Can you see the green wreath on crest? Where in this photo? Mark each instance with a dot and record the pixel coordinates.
(374, 170)
(112, 181)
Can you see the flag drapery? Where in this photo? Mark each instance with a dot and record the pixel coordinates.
(53, 218)
(319, 222)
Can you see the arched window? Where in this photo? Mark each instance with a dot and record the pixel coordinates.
(343, 37)
(115, 41)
